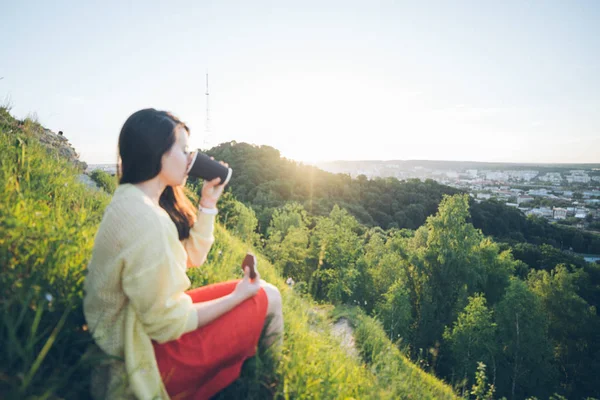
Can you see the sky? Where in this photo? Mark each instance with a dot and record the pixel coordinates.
(498, 81)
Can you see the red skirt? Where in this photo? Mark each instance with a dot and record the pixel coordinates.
(203, 362)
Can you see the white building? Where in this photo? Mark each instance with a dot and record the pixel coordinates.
(523, 175)
(496, 176)
(560, 213)
(524, 199)
(553, 177)
(542, 212)
(472, 173)
(581, 214)
(538, 192)
(578, 178)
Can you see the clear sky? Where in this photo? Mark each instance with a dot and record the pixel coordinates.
(515, 81)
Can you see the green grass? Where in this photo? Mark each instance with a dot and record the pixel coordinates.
(392, 368)
(48, 220)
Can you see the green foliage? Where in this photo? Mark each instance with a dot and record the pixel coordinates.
(239, 219)
(573, 328)
(396, 311)
(288, 242)
(336, 246)
(471, 338)
(452, 261)
(265, 181)
(509, 224)
(481, 389)
(525, 360)
(104, 180)
(47, 224)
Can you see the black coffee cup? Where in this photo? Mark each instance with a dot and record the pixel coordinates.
(204, 168)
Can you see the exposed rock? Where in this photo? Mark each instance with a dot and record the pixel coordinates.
(62, 145)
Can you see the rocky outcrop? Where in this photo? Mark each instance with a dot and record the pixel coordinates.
(54, 142)
(62, 145)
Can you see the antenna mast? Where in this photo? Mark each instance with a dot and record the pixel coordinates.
(207, 134)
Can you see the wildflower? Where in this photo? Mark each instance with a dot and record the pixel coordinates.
(49, 297)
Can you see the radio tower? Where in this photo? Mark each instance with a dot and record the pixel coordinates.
(207, 134)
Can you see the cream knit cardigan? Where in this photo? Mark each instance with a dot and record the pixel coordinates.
(134, 291)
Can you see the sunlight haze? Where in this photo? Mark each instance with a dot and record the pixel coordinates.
(482, 81)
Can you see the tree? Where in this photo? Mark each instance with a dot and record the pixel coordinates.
(449, 264)
(335, 246)
(290, 254)
(395, 312)
(287, 243)
(471, 338)
(291, 215)
(239, 219)
(573, 329)
(104, 180)
(525, 361)
(481, 389)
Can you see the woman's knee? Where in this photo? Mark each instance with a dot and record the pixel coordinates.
(273, 297)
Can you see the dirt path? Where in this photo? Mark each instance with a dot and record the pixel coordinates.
(342, 330)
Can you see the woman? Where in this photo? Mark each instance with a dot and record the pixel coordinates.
(167, 342)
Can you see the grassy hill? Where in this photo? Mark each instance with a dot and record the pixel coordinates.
(48, 220)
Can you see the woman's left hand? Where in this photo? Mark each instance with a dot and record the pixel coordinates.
(212, 190)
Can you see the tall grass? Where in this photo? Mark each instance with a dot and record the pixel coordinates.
(47, 225)
(48, 220)
(392, 368)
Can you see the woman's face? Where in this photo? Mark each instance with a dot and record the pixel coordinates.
(175, 161)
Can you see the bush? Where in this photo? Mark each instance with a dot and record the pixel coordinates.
(106, 181)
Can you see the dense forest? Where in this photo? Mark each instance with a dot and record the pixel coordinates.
(457, 285)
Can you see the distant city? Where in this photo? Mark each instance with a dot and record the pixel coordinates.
(568, 194)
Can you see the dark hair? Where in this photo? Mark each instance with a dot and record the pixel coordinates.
(145, 137)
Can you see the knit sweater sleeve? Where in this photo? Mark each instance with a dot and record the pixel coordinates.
(201, 238)
(155, 284)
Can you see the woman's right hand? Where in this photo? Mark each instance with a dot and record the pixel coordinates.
(247, 288)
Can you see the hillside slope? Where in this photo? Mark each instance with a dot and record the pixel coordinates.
(48, 220)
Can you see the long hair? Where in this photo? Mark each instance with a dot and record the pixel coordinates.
(145, 137)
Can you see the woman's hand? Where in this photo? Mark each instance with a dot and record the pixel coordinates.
(212, 190)
(247, 288)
